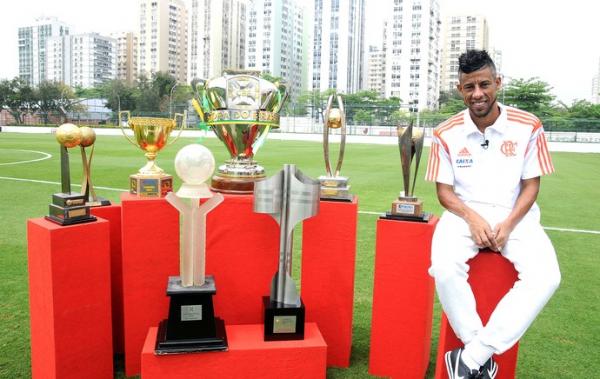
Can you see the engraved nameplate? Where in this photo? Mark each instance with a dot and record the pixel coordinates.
(284, 324)
(191, 312)
(405, 208)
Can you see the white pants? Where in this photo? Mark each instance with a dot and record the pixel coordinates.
(533, 256)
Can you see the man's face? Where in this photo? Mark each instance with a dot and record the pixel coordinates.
(479, 90)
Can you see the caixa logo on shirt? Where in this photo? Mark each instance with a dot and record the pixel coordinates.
(464, 162)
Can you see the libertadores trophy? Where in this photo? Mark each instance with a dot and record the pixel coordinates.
(192, 325)
(151, 135)
(289, 197)
(68, 207)
(407, 206)
(334, 186)
(88, 138)
(241, 108)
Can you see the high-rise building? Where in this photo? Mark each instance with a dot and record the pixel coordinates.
(163, 38)
(461, 33)
(413, 54)
(217, 37)
(376, 70)
(277, 41)
(82, 60)
(338, 45)
(32, 47)
(127, 56)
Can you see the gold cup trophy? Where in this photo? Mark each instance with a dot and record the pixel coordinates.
(151, 135)
(407, 206)
(334, 186)
(241, 108)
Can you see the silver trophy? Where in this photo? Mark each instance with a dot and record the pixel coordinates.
(410, 143)
(289, 197)
(192, 325)
(334, 186)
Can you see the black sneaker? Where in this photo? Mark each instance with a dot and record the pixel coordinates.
(457, 369)
(489, 370)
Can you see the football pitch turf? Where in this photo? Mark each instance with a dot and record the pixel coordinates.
(562, 342)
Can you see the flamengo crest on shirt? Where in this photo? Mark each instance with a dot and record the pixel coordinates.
(509, 148)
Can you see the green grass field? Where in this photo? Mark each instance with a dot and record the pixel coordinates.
(562, 343)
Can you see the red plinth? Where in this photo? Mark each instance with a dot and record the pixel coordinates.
(248, 357)
(328, 261)
(150, 253)
(402, 299)
(112, 213)
(69, 299)
(491, 276)
(242, 251)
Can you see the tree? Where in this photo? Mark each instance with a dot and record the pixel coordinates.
(119, 95)
(18, 98)
(532, 95)
(54, 97)
(363, 117)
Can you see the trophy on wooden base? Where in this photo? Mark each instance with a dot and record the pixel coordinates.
(407, 206)
(192, 325)
(241, 108)
(289, 197)
(334, 186)
(151, 135)
(68, 207)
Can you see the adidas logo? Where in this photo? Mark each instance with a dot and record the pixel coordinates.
(464, 152)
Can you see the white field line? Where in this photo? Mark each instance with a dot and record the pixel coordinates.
(45, 156)
(360, 212)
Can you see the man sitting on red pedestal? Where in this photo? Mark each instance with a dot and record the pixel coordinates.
(487, 162)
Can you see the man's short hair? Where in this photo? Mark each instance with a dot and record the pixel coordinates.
(474, 60)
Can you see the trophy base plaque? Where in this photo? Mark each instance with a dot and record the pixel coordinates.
(283, 322)
(99, 202)
(228, 184)
(69, 209)
(335, 188)
(192, 325)
(148, 185)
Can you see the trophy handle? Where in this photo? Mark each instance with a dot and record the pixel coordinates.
(183, 122)
(198, 110)
(343, 135)
(326, 136)
(128, 114)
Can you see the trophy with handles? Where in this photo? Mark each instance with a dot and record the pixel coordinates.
(241, 109)
(151, 135)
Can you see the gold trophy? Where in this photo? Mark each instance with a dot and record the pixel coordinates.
(241, 109)
(334, 186)
(68, 207)
(407, 206)
(151, 135)
(88, 138)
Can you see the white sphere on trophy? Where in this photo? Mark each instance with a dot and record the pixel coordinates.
(194, 164)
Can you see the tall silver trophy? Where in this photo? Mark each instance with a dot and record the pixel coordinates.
(192, 325)
(334, 186)
(407, 206)
(289, 197)
(241, 108)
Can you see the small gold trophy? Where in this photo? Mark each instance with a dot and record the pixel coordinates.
(68, 207)
(334, 186)
(407, 206)
(88, 138)
(151, 135)
(241, 108)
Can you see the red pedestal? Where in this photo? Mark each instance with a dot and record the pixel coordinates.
(402, 299)
(248, 357)
(328, 261)
(112, 214)
(491, 276)
(69, 299)
(150, 253)
(242, 250)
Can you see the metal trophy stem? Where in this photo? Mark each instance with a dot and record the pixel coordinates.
(334, 186)
(87, 188)
(289, 197)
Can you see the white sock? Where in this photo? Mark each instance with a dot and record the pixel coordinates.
(476, 354)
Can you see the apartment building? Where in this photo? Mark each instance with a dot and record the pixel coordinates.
(32, 47)
(163, 42)
(338, 45)
(127, 56)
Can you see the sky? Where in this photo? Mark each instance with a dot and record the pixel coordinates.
(555, 41)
